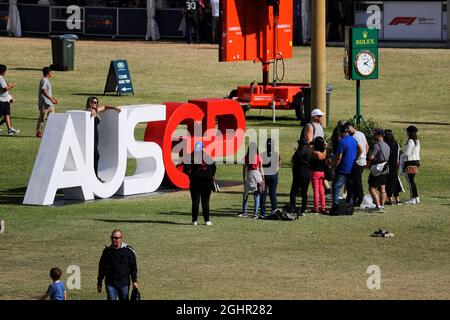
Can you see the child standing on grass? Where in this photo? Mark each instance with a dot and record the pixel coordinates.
(56, 291)
(46, 100)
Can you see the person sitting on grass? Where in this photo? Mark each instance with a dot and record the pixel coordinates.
(56, 291)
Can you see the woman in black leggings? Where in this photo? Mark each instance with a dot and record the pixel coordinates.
(411, 158)
(300, 174)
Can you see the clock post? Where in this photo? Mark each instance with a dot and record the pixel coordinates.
(360, 60)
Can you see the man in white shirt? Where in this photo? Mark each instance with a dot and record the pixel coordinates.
(360, 164)
(5, 101)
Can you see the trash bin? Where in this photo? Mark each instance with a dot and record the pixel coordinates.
(307, 108)
(63, 52)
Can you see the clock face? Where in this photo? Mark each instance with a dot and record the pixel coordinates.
(365, 63)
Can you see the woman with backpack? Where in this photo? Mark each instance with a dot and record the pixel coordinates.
(201, 170)
(410, 160)
(271, 165)
(253, 175)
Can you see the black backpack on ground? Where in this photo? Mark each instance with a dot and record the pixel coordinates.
(285, 214)
(343, 209)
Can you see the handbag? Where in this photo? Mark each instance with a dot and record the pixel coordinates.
(135, 295)
(329, 176)
(378, 169)
(412, 169)
(215, 186)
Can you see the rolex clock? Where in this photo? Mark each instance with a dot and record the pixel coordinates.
(361, 53)
(365, 63)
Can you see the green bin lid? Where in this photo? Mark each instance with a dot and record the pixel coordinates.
(64, 37)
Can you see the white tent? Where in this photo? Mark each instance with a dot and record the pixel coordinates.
(306, 20)
(152, 26)
(13, 27)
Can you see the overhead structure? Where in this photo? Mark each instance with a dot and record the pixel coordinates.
(261, 31)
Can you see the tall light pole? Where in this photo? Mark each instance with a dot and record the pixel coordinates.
(318, 56)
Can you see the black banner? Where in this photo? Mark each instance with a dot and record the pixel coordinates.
(34, 19)
(99, 21)
(225, 309)
(4, 10)
(132, 22)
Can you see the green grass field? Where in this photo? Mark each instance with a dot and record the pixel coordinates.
(315, 257)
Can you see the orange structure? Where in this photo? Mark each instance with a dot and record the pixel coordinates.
(261, 31)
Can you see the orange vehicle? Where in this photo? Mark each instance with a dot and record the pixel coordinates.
(261, 31)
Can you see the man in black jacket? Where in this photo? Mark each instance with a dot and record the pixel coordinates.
(118, 264)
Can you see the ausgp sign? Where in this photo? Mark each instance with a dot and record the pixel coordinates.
(65, 159)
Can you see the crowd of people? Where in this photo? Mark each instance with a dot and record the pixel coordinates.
(197, 15)
(315, 161)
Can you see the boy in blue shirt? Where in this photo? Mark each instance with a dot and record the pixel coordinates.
(56, 291)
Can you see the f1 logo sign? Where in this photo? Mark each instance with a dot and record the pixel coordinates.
(402, 20)
(66, 155)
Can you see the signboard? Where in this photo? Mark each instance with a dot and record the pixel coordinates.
(99, 21)
(412, 21)
(361, 53)
(119, 79)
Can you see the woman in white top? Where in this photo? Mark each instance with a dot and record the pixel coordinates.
(410, 160)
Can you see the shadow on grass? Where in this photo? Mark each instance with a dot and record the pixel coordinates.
(423, 122)
(91, 94)
(266, 121)
(25, 69)
(12, 196)
(241, 192)
(25, 118)
(16, 136)
(143, 221)
(227, 212)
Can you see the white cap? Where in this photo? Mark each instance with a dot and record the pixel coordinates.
(316, 112)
